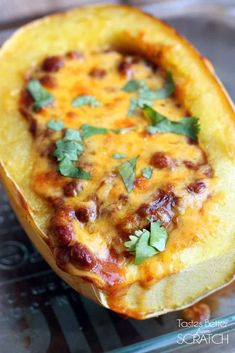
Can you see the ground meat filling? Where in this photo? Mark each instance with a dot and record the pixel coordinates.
(162, 207)
(102, 207)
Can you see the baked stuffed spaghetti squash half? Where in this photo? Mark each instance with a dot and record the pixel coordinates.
(117, 154)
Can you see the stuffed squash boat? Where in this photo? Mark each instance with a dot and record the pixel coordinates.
(117, 154)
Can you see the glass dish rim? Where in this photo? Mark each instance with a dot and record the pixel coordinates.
(168, 342)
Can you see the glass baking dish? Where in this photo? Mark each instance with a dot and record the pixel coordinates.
(40, 313)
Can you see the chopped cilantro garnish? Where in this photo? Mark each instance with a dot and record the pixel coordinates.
(41, 96)
(133, 105)
(89, 130)
(147, 172)
(145, 95)
(67, 169)
(127, 171)
(68, 150)
(85, 100)
(144, 244)
(138, 102)
(119, 155)
(162, 93)
(133, 85)
(55, 125)
(71, 149)
(72, 135)
(158, 236)
(188, 126)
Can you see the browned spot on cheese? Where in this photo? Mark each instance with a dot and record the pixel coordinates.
(48, 178)
(75, 54)
(72, 115)
(140, 183)
(112, 273)
(97, 73)
(48, 81)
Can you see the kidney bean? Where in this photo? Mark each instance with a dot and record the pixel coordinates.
(53, 63)
(191, 165)
(73, 188)
(125, 67)
(82, 257)
(73, 55)
(26, 100)
(62, 257)
(62, 226)
(161, 207)
(160, 160)
(87, 212)
(196, 187)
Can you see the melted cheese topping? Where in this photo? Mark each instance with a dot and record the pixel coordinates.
(112, 211)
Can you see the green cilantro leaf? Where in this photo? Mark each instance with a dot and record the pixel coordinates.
(55, 125)
(69, 149)
(139, 246)
(187, 126)
(119, 156)
(147, 172)
(72, 135)
(131, 243)
(133, 85)
(41, 96)
(158, 236)
(67, 169)
(138, 102)
(162, 93)
(89, 130)
(145, 94)
(85, 100)
(143, 101)
(133, 105)
(154, 117)
(127, 171)
(144, 244)
(142, 249)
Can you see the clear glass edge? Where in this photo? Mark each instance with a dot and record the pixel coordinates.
(168, 342)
